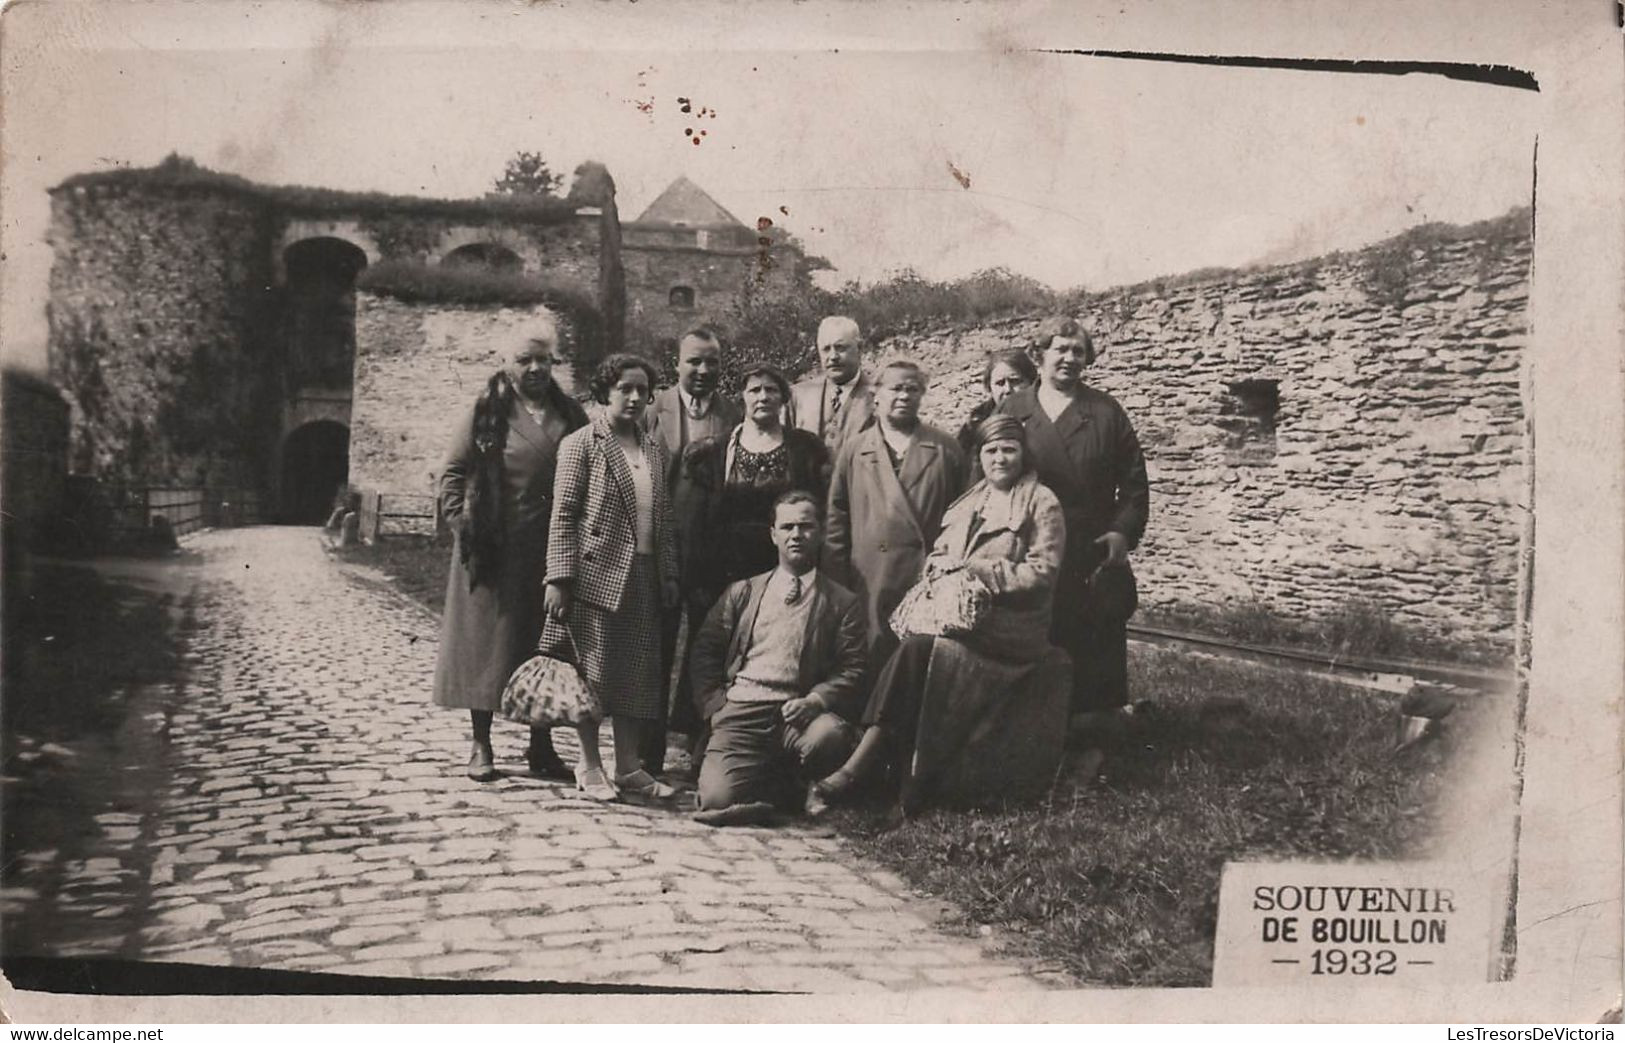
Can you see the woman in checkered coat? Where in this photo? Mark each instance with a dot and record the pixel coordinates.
(611, 567)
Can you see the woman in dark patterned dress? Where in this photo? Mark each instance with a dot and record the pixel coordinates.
(735, 478)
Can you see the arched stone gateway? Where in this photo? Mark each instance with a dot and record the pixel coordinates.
(320, 314)
(491, 256)
(315, 468)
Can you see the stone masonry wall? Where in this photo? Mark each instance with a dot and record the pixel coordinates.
(418, 370)
(717, 279)
(33, 455)
(158, 305)
(1393, 476)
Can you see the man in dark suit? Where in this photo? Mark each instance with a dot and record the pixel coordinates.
(778, 675)
(838, 401)
(688, 411)
(693, 408)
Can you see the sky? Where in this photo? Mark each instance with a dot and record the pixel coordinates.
(886, 153)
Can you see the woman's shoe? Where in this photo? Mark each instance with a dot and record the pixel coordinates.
(481, 767)
(595, 784)
(836, 788)
(545, 764)
(641, 784)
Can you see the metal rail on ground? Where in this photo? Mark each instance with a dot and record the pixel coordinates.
(1387, 674)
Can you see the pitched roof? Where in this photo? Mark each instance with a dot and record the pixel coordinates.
(685, 203)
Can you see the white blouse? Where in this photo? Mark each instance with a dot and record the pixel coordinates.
(644, 489)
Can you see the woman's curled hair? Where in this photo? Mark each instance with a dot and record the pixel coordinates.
(609, 373)
(762, 369)
(1014, 358)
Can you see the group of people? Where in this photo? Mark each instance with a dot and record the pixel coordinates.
(786, 529)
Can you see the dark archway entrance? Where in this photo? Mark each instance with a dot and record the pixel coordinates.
(321, 312)
(484, 255)
(315, 468)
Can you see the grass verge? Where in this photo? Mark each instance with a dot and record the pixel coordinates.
(1116, 879)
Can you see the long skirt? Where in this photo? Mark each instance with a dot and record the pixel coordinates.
(618, 652)
(1099, 648)
(488, 630)
(964, 727)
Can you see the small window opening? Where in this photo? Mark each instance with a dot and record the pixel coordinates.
(1247, 416)
(681, 297)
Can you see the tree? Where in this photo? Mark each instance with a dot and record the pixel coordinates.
(527, 174)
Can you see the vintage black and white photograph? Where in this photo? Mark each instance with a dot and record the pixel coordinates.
(503, 495)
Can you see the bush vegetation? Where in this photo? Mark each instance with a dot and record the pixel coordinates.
(468, 284)
(177, 173)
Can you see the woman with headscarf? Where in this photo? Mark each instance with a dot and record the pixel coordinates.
(496, 492)
(1085, 449)
(983, 712)
(1005, 373)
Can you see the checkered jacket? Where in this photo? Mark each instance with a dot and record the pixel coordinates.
(591, 541)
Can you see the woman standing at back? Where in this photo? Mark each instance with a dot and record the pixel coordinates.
(1084, 448)
(1005, 373)
(496, 494)
(611, 567)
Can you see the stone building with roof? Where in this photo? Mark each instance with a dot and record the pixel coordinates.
(688, 260)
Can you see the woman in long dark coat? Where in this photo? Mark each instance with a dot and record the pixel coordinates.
(1085, 449)
(496, 492)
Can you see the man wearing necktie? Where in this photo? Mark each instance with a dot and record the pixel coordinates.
(778, 672)
(837, 401)
(687, 412)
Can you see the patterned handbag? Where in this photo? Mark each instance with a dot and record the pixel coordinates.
(948, 605)
(545, 692)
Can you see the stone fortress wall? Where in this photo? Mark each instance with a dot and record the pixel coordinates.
(1348, 431)
(418, 370)
(158, 310)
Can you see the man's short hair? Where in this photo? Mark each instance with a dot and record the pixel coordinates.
(911, 366)
(836, 326)
(704, 333)
(795, 496)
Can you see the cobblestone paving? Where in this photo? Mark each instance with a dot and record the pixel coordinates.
(293, 801)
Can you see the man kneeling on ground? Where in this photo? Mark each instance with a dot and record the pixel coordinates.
(777, 673)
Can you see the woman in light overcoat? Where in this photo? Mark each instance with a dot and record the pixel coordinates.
(611, 569)
(885, 510)
(496, 493)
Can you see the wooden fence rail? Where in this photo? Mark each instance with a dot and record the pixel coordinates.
(384, 515)
(135, 509)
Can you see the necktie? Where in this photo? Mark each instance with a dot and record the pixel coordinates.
(832, 422)
(795, 591)
(696, 411)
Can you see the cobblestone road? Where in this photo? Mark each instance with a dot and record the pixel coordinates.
(291, 800)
